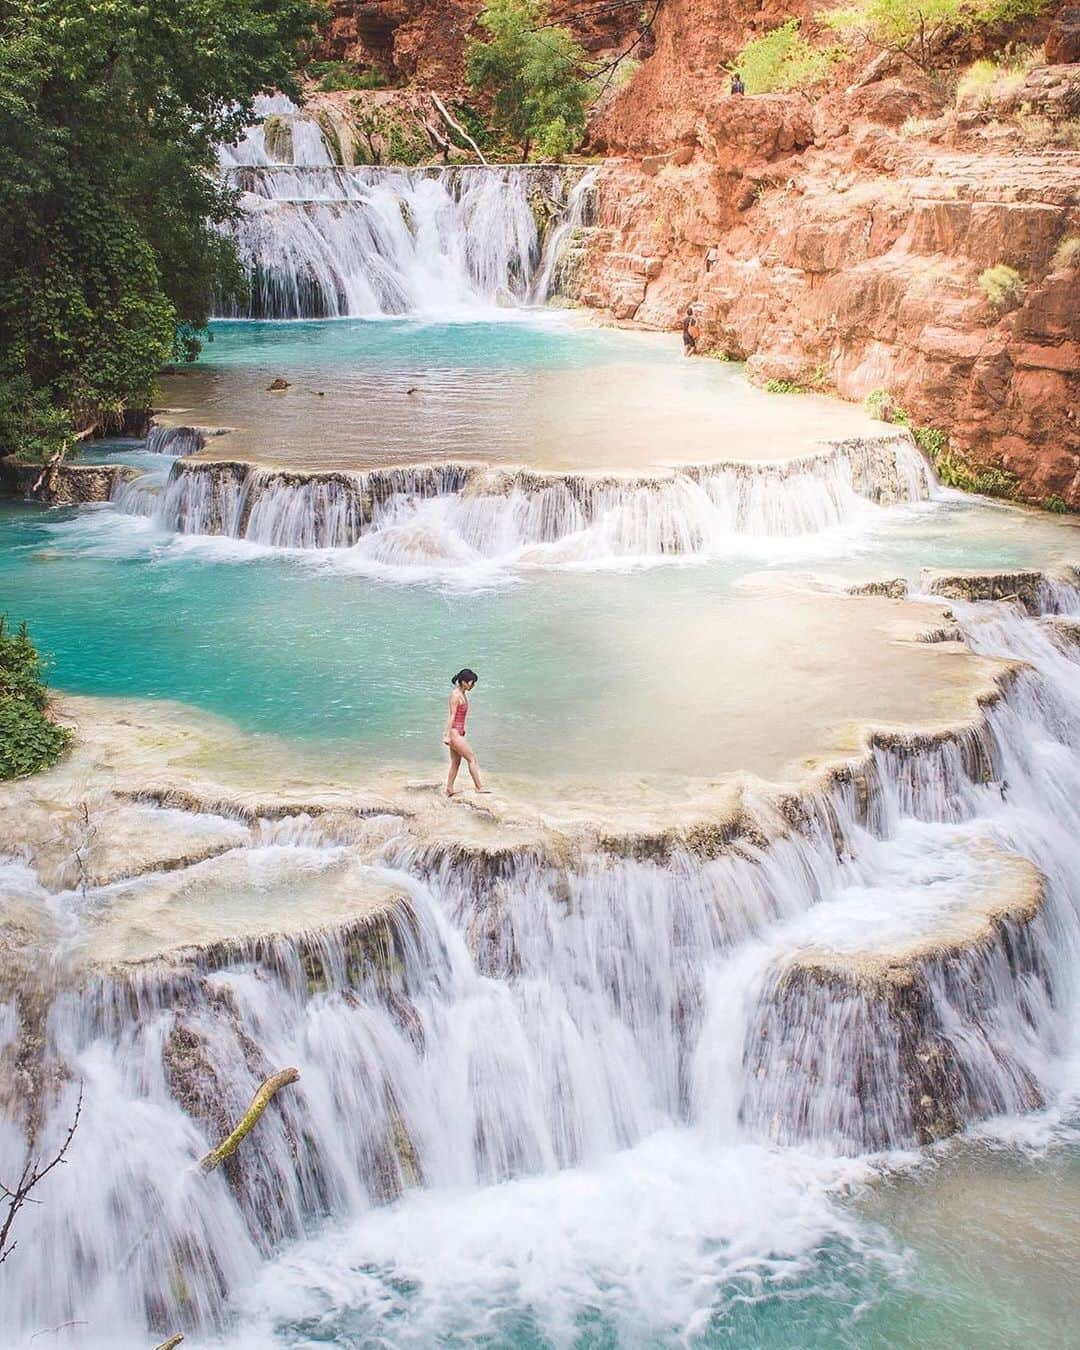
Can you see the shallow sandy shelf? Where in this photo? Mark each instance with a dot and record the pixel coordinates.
(634, 403)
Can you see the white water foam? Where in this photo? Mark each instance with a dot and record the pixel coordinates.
(592, 1040)
(441, 521)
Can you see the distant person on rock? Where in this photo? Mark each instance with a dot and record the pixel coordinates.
(711, 258)
(691, 331)
(463, 682)
(737, 86)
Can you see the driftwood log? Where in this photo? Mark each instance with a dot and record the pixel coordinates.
(171, 1343)
(249, 1119)
(454, 125)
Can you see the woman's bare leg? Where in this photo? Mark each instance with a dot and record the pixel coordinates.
(451, 777)
(474, 772)
(460, 747)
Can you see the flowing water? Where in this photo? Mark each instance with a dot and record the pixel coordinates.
(620, 1088)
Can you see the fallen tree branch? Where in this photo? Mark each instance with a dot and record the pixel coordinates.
(454, 125)
(171, 1343)
(249, 1120)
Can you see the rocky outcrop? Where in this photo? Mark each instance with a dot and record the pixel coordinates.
(64, 484)
(854, 262)
(1063, 39)
(411, 40)
(923, 1059)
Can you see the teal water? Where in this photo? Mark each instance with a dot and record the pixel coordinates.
(295, 646)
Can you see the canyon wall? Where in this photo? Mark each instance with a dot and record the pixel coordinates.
(851, 233)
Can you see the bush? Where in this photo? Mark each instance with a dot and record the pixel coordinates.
(784, 387)
(921, 28)
(29, 741)
(880, 405)
(985, 82)
(782, 61)
(933, 442)
(1067, 254)
(1002, 285)
(534, 72)
(1056, 504)
(335, 75)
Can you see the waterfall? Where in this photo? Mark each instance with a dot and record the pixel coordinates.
(303, 143)
(878, 962)
(364, 242)
(177, 441)
(457, 514)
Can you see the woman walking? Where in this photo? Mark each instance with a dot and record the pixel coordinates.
(460, 749)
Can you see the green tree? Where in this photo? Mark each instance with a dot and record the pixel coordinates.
(111, 113)
(29, 741)
(535, 73)
(917, 29)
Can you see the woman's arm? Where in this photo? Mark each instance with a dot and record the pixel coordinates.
(450, 716)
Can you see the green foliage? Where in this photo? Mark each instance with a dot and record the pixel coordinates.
(986, 81)
(951, 467)
(1067, 254)
(784, 387)
(406, 145)
(1002, 285)
(1056, 504)
(29, 741)
(920, 28)
(933, 442)
(334, 75)
(880, 405)
(110, 118)
(535, 74)
(475, 125)
(782, 61)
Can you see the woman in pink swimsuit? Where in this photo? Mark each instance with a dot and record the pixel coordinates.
(460, 749)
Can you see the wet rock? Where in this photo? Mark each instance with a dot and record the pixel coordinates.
(277, 384)
(895, 588)
(65, 484)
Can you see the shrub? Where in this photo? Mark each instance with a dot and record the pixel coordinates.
(986, 81)
(1002, 285)
(933, 442)
(782, 61)
(1056, 504)
(334, 75)
(784, 387)
(920, 28)
(880, 405)
(1067, 253)
(29, 741)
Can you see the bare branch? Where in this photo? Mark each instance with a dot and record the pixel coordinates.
(30, 1176)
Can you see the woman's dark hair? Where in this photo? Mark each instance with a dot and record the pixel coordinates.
(465, 676)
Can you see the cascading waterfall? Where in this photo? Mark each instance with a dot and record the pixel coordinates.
(365, 242)
(455, 514)
(515, 1014)
(302, 142)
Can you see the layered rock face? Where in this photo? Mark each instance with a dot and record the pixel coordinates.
(851, 236)
(425, 43)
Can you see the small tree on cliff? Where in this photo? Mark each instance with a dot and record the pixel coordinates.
(918, 29)
(535, 73)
